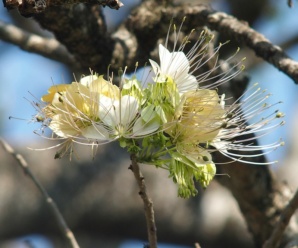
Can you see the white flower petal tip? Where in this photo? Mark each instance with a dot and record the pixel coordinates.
(87, 80)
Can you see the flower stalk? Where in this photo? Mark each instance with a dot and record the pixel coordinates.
(148, 204)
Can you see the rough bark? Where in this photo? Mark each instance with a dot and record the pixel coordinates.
(29, 8)
(87, 39)
(260, 197)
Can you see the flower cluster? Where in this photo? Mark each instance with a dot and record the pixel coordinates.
(175, 121)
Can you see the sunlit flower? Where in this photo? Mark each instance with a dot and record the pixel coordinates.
(174, 67)
(203, 120)
(195, 69)
(198, 118)
(94, 110)
(74, 108)
(176, 121)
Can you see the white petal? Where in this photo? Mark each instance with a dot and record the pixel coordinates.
(142, 128)
(189, 82)
(114, 112)
(108, 110)
(129, 108)
(88, 79)
(173, 64)
(165, 58)
(155, 66)
(97, 132)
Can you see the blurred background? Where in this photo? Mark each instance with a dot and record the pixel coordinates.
(101, 204)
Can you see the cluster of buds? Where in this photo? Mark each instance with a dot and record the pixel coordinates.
(174, 120)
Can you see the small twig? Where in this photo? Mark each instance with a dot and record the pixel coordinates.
(283, 222)
(148, 204)
(62, 224)
(49, 48)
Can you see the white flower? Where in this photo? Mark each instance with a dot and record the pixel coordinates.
(174, 66)
(94, 111)
(202, 121)
(119, 118)
(198, 117)
(198, 68)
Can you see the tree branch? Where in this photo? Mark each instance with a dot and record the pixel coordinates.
(29, 8)
(67, 233)
(49, 48)
(148, 204)
(261, 198)
(283, 222)
(84, 37)
(223, 23)
(133, 40)
(240, 31)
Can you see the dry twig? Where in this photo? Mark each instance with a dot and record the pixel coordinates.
(52, 205)
(148, 204)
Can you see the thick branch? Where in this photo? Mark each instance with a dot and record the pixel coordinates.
(84, 37)
(240, 31)
(28, 8)
(49, 48)
(283, 222)
(261, 198)
(87, 40)
(149, 15)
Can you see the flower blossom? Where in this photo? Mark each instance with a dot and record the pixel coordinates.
(96, 111)
(197, 121)
(176, 122)
(174, 66)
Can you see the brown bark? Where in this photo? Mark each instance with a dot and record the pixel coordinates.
(29, 8)
(86, 37)
(260, 197)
